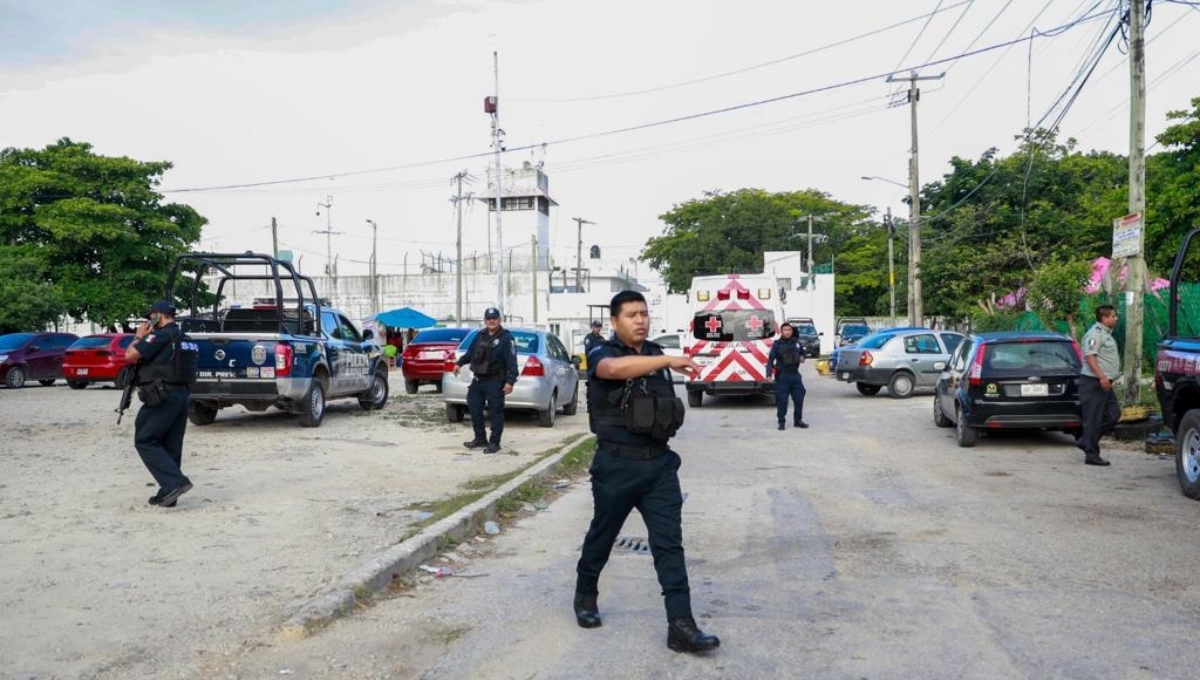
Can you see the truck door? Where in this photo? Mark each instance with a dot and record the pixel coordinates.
(348, 360)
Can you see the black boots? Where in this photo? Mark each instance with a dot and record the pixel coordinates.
(587, 612)
(684, 636)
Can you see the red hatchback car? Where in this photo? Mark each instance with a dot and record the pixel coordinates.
(425, 357)
(97, 358)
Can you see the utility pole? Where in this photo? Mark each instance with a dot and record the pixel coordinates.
(274, 239)
(492, 106)
(1135, 273)
(579, 222)
(891, 232)
(916, 306)
(533, 272)
(458, 284)
(330, 267)
(374, 268)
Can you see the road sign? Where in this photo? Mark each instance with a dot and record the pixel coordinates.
(1127, 236)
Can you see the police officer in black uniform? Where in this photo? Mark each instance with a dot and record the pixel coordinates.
(633, 410)
(493, 360)
(786, 355)
(594, 339)
(166, 369)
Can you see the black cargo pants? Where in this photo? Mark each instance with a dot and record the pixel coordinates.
(158, 437)
(489, 392)
(1100, 413)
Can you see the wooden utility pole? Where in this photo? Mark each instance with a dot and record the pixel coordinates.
(274, 239)
(1135, 273)
(533, 273)
(374, 268)
(579, 222)
(458, 283)
(891, 232)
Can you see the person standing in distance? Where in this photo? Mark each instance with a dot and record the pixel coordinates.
(167, 368)
(1101, 366)
(785, 358)
(634, 468)
(594, 339)
(493, 360)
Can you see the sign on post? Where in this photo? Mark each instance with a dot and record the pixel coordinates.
(1127, 236)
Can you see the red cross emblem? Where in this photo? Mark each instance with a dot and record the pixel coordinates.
(713, 324)
(755, 324)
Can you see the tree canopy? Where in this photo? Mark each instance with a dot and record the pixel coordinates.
(91, 232)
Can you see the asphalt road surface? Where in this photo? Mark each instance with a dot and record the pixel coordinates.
(868, 546)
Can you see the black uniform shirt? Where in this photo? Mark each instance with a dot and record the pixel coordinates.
(155, 349)
(600, 389)
(787, 355)
(502, 359)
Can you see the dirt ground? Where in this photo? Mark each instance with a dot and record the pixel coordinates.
(95, 583)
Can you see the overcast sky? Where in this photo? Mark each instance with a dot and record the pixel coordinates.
(235, 92)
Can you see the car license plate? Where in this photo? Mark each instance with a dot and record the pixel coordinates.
(81, 371)
(429, 356)
(1035, 390)
(845, 375)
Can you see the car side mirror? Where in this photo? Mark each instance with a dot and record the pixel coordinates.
(368, 334)
(820, 334)
(575, 361)
(32, 348)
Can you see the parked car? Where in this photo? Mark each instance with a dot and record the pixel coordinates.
(835, 355)
(852, 333)
(425, 356)
(809, 338)
(673, 345)
(548, 377)
(97, 358)
(1012, 380)
(903, 361)
(33, 356)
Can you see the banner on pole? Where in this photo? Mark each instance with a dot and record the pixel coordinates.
(1127, 236)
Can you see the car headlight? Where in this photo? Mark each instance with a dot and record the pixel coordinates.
(3, 357)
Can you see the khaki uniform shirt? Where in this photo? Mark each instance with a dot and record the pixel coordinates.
(1099, 341)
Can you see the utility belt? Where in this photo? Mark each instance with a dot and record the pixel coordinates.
(634, 452)
(641, 412)
(488, 376)
(155, 393)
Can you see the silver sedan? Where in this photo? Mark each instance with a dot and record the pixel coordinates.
(547, 381)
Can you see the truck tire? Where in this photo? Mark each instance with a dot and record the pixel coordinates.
(546, 418)
(15, 378)
(411, 386)
(454, 413)
(377, 394)
(695, 398)
(312, 410)
(572, 407)
(77, 384)
(901, 385)
(964, 433)
(940, 418)
(201, 414)
(867, 390)
(1187, 454)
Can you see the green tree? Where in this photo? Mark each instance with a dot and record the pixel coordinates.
(1056, 290)
(1173, 189)
(97, 223)
(30, 302)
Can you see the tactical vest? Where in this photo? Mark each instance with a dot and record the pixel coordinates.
(644, 406)
(789, 355)
(179, 368)
(484, 356)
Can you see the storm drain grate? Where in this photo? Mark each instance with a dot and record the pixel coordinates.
(633, 545)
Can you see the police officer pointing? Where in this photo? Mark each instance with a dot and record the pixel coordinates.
(493, 360)
(1101, 365)
(787, 355)
(633, 410)
(166, 369)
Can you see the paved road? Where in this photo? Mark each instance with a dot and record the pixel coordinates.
(869, 546)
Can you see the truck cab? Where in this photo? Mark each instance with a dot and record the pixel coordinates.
(1177, 368)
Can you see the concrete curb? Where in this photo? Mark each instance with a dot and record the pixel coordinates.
(379, 573)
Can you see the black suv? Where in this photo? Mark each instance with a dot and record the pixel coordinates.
(1012, 380)
(809, 338)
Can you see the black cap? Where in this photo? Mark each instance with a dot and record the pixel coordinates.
(491, 313)
(162, 307)
(596, 324)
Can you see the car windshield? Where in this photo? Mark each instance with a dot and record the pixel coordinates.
(855, 330)
(91, 341)
(442, 335)
(734, 325)
(875, 341)
(14, 341)
(806, 330)
(526, 343)
(1031, 355)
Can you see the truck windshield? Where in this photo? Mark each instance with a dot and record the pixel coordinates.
(734, 326)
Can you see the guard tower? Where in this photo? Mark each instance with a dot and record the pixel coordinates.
(525, 200)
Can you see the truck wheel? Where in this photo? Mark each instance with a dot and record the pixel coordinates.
(201, 414)
(1187, 454)
(77, 384)
(16, 378)
(901, 385)
(377, 394)
(312, 411)
(411, 386)
(454, 413)
(695, 398)
(572, 408)
(867, 390)
(965, 434)
(546, 418)
(939, 418)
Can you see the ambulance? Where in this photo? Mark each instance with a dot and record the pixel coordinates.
(735, 322)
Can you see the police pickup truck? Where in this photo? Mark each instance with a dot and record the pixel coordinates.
(287, 351)
(1177, 374)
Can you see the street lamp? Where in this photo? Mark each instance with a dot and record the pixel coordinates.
(884, 179)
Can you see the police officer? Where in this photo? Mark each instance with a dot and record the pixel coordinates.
(594, 339)
(493, 360)
(1101, 366)
(786, 356)
(167, 367)
(633, 410)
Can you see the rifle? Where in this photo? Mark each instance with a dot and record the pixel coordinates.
(127, 393)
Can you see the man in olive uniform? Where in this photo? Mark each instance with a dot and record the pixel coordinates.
(633, 410)
(493, 360)
(787, 355)
(1101, 366)
(167, 368)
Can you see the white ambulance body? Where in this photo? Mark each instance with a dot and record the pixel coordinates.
(735, 322)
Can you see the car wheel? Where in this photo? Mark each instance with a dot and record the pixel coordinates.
(201, 414)
(377, 394)
(454, 413)
(312, 411)
(964, 433)
(16, 378)
(46, 383)
(939, 418)
(695, 398)
(868, 390)
(901, 385)
(77, 384)
(546, 418)
(572, 407)
(410, 386)
(1187, 454)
